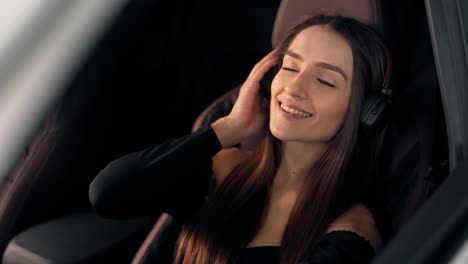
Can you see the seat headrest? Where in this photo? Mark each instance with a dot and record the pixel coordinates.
(289, 11)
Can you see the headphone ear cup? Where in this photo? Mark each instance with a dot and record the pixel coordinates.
(374, 112)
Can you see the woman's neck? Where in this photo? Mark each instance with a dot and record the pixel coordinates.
(296, 163)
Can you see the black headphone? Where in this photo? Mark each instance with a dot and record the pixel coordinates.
(375, 108)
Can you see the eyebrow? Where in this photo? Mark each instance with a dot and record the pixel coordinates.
(319, 64)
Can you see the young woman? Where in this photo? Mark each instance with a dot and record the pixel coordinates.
(300, 196)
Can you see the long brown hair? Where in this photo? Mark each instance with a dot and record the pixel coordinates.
(231, 217)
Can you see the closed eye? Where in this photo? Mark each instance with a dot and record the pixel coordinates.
(289, 69)
(326, 83)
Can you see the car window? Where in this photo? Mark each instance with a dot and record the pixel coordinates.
(42, 44)
(437, 233)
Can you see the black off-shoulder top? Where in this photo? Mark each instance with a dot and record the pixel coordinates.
(334, 247)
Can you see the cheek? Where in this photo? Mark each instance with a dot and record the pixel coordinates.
(339, 117)
(276, 84)
(333, 115)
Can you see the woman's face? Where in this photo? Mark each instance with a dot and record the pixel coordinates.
(311, 93)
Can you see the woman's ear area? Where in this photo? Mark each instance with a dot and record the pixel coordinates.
(358, 219)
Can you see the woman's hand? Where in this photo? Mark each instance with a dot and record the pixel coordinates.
(247, 118)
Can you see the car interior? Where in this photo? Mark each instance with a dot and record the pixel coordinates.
(165, 69)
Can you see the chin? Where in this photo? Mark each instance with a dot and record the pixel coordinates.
(282, 134)
(286, 135)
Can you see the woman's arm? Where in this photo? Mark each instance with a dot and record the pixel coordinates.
(172, 177)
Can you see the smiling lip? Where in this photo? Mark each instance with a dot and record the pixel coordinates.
(292, 106)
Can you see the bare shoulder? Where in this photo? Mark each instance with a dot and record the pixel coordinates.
(225, 161)
(360, 220)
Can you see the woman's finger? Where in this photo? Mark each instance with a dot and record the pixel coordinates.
(266, 61)
(250, 89)
(263, 69)
(252, 84)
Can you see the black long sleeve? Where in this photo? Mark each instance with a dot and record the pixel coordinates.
(172, 177)
(332, 248)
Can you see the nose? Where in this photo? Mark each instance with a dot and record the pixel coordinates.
(296, 88)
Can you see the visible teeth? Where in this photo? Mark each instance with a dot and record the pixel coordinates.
(295, 111)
